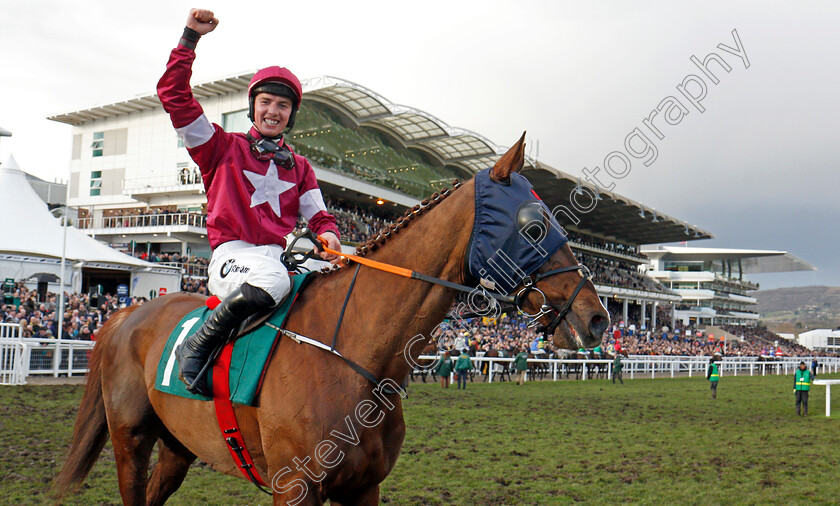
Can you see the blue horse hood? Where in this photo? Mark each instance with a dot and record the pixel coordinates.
(503, 250)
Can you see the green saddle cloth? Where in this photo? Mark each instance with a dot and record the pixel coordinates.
(248, 360)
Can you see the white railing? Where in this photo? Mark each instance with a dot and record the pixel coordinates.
(197, 220)
(12, 350)
(191, 269)
(10, 331)
(653, 366)
(23, 357)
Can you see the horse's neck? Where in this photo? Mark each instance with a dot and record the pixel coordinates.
(394, 310)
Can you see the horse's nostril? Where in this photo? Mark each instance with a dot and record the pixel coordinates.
(598, 325)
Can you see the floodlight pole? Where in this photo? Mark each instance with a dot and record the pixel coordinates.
(60, 315)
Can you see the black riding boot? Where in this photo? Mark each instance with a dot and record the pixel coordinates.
(194, 352)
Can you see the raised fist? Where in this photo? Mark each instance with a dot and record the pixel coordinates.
(202, 21)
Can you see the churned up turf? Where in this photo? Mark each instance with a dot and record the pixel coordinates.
(662, 441)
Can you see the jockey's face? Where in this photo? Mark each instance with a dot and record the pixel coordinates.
(271, 114)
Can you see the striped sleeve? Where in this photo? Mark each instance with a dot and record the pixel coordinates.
(204, 140)
(312, 207)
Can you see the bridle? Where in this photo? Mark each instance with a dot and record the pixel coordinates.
(530, 285)
(517, 301)
(294, 260)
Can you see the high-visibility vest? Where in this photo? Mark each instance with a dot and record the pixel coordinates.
(803, 379)
(714, 376)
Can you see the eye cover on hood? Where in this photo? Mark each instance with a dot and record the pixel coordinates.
(511, 237)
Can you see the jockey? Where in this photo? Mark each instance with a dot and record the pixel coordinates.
(256, 186)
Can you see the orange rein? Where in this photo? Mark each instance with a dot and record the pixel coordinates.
(393, 269)
(408, 273)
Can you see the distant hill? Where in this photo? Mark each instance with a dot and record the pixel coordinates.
(799, 308)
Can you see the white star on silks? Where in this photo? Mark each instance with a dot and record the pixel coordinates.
(268, 188)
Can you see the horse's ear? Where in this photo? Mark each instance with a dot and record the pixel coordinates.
(512, 161)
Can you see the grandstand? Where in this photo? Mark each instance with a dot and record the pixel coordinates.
(137, 189)
(711, 281)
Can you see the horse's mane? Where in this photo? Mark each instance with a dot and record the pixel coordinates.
(402, 222)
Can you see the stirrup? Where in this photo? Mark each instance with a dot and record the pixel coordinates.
(202, 374)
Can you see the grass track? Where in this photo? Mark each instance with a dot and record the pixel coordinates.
(662, 441)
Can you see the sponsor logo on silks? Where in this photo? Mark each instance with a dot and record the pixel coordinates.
(230, 266)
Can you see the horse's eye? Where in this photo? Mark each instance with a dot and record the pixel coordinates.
(532, 220)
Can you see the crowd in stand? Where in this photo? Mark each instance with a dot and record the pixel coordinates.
(685, 342)
(358, 224)
(193, 265)
(141, 217)
(611, 246)
(615, 272)
(83, 314)
(194, 285)
(510, 334)
(679, 340)
(507, 333)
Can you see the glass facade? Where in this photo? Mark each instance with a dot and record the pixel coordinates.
(98, 145)
(95, 182)
(236, 121)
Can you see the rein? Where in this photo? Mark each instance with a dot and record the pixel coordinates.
(529, 286)
(516, 301)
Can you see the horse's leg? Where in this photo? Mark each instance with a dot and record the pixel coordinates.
(296, 489)
(132, 449)
(170, 470)
(132, 422)
(369, 496)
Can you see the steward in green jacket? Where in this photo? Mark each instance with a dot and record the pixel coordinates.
(713, 374)
(463, 366)
(617, 367)
(520, 363)
(444, 369)
(445, 366)
(802, 380)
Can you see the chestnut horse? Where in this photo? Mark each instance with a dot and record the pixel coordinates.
(320, 430)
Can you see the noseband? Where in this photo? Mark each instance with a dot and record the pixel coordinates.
(530, 285)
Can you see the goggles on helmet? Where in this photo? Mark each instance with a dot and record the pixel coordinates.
(265, 150)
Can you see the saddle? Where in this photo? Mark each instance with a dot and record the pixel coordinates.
(256, 339)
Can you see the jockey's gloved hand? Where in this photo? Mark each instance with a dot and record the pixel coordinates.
(332, 243)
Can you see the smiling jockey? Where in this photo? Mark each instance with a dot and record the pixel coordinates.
(256, 187)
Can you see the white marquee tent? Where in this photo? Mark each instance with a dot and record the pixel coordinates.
(31, 244)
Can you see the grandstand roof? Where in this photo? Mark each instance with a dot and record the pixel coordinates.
(466, 152)
(753, 261)
(614, 216)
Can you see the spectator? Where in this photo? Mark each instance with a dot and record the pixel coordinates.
(713, 374)
(462, 368)
(520, 363)
(617, 367)
(444, 369)
(802, 380)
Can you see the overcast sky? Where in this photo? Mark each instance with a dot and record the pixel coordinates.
(756, 168)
